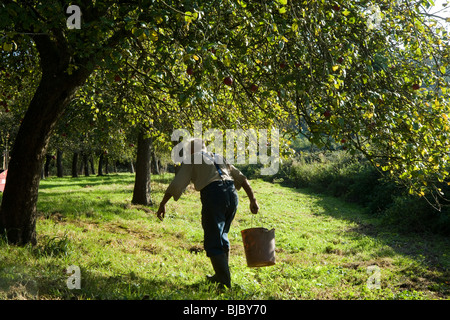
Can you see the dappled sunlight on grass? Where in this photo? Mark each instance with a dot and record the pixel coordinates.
(323, 248)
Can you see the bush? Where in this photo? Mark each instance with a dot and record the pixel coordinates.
(319, 171)
(341, 175)
(413, 214)
(251, 171)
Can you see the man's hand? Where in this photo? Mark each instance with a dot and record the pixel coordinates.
(254, 206)
(162, 206)
(161, 212)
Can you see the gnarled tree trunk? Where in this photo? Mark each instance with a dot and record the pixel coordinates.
(55, 90)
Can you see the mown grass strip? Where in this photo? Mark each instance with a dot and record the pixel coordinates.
(326, 249)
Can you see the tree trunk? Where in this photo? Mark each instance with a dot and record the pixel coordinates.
(141, 192)
(59, 167)
(18, 208)
(86, 164)
(105, 159)
(75, 165)
(56, 89)
(6, 155)
(48, 159)
(80, 167)
(100, 164)
(155, 163)
(91, 162)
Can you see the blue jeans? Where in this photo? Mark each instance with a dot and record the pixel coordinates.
(219, 205)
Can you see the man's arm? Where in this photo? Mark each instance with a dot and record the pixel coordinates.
(175, 188)
(248, 189)
(162, 206)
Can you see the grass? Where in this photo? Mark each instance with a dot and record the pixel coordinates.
(325, 248)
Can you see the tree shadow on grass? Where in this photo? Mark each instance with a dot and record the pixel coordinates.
(113, 178)
(55, 280)
(52, 281)
(430, 251)
(83, 181)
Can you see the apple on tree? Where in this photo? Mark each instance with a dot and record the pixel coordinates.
(228, 81)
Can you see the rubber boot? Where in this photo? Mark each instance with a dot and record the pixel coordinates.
(220, 265)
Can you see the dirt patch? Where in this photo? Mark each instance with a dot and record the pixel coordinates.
(196, 249)
(365, 229)
(151, 249)
(55, 216)
(382, 263)
(129, 206)
(117, 228)
(331, 250)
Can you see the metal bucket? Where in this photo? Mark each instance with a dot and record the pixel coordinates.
(259, 247)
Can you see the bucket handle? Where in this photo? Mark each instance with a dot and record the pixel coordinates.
(260, 217)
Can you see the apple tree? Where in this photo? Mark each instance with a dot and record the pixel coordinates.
(368, 76)
(66, 57)
(372, 77)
